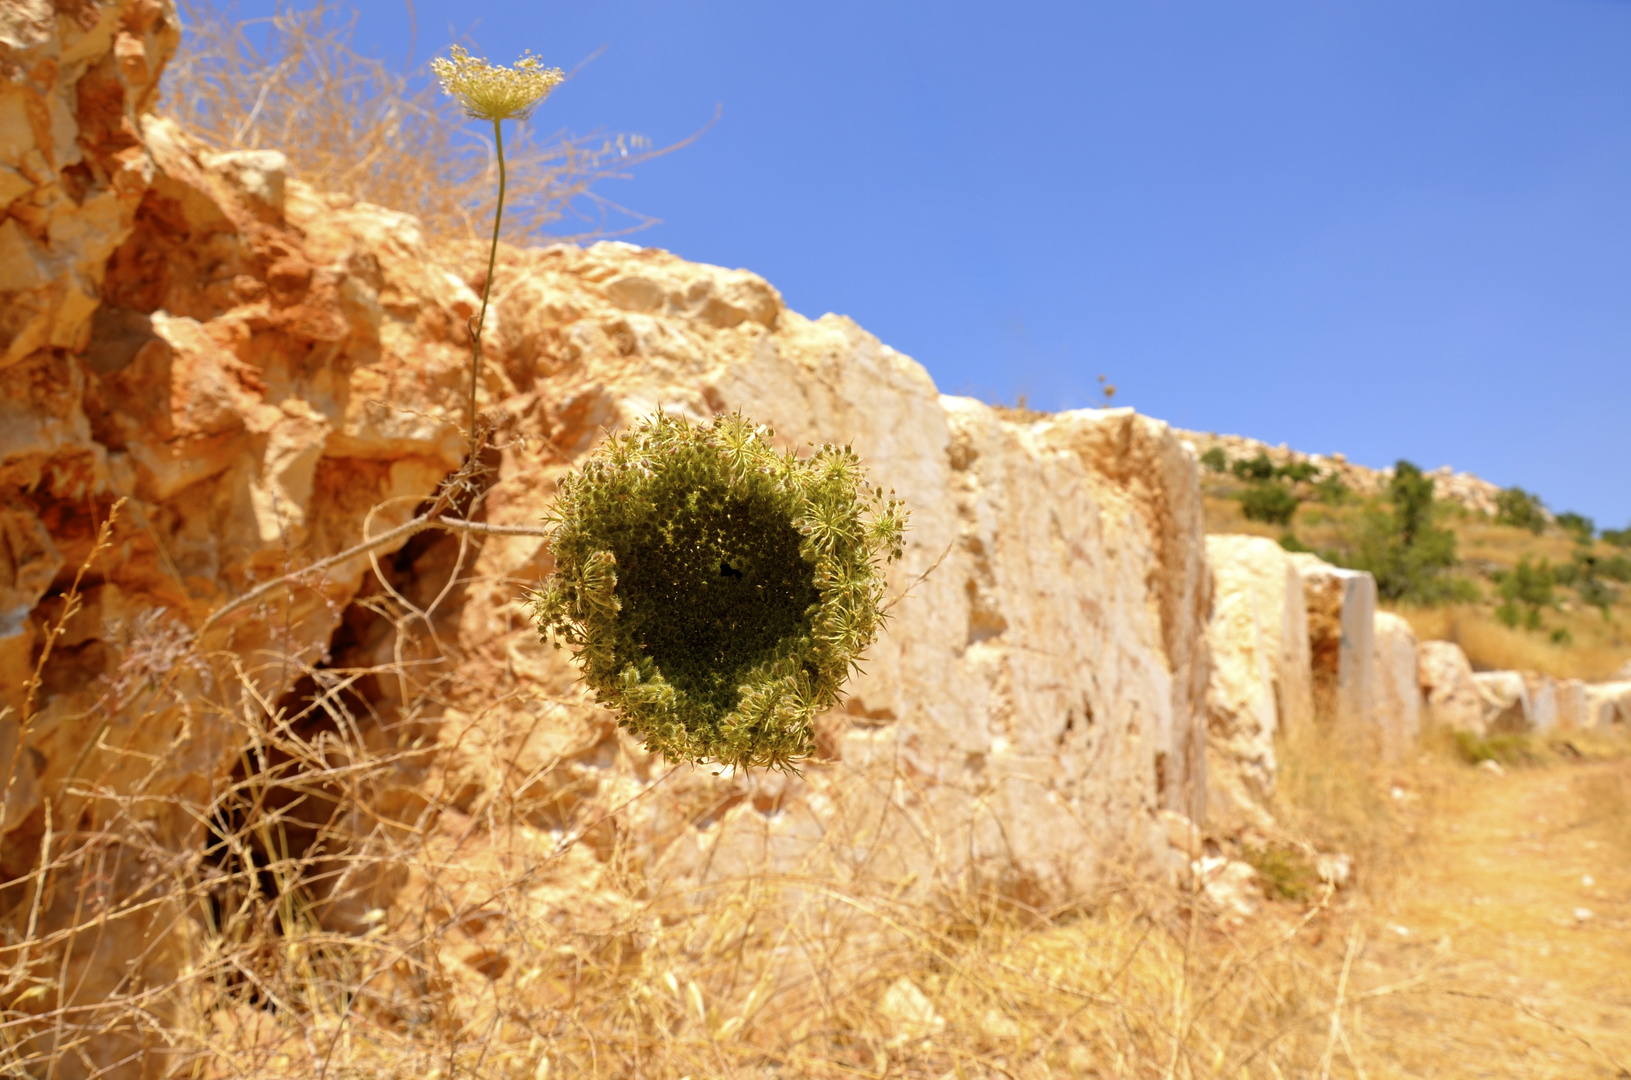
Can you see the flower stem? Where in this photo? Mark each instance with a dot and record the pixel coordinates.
(487, 286)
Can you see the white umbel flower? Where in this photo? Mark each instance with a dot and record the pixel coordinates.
(492, 92)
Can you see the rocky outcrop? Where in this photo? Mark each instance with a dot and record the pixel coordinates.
(1397, 699)
(1261, 681)
(1033, 703)
(1463, 488)
(1571, 704)
(1608, 705)
(1341, 633)
(267, 374)
(1506, 704)
(1446, 680)
(73, 170)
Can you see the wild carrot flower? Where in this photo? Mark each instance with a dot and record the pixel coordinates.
(495, 94)
(718, 594)
(490, 92)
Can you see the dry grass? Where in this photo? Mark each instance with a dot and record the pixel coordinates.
(1598, 650)
(354, 124)
(349, 904)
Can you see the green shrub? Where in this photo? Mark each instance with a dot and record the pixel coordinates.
(1585, 573)
(1524, 591)
(1331, 491)
(1215, 460)
(717, 593)
(1297, 471)
(1405, 549)
(1268, 502)
(1618, 537)
(1515, 506)
(1257, 468)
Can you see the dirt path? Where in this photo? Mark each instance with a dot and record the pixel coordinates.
(1515, 916)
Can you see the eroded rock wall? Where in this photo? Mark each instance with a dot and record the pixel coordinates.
(1034, 699)
(1262, 673)
(1398, 697)
(267, 374)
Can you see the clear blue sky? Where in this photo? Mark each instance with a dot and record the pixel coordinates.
(1386, 228)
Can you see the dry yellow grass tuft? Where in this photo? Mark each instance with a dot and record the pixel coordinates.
(1596, 651)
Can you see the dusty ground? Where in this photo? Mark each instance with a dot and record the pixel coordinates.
(1515, 916)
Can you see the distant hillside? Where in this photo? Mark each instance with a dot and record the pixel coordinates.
(1472, 492)
(1553, 596)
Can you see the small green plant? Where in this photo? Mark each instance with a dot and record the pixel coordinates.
(1515, 506)
(1508, 749)
(1268, 502)
(1215, 460)
(1285, 871)
(717, 594)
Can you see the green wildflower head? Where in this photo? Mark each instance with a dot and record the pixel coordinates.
(490, 92)
(718, 593)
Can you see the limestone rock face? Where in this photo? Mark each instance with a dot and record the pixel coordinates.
(1398, 703)
(1341, 631)
(1446, 679)
(1261, 672)
(1542, 694)
(1608, 704)
(1037, 692)
(268, 374)
(1506, 702)
(1571, 703)
(77, 79)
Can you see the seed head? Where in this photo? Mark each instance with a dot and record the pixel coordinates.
(718, 594)
(490, 92)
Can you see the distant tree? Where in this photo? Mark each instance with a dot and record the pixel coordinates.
(1298, 471)
(1515, 506)
(1215, 460)
(1257, 468)
(1404, 548)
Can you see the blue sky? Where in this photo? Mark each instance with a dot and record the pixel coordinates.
(1393, 229)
